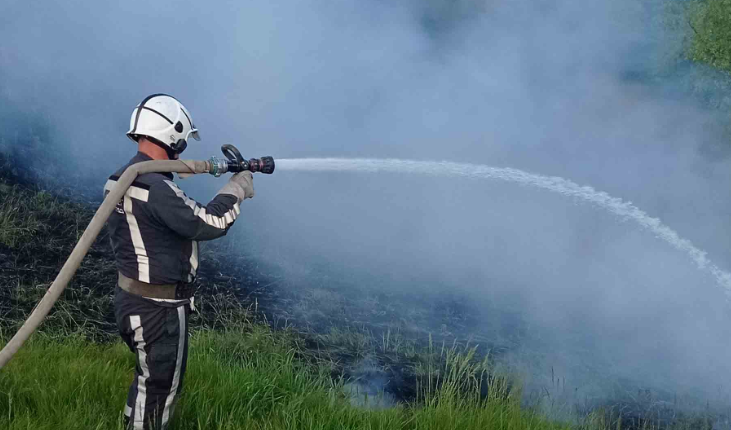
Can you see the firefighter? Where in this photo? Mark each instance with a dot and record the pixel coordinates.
(155, 231)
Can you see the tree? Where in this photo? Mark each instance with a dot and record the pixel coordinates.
(711, 24)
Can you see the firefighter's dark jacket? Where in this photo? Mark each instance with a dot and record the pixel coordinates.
(155, 228)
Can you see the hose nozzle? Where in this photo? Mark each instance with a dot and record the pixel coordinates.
(262, 165)
(235, 163)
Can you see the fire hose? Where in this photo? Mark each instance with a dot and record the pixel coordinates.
(215, 166)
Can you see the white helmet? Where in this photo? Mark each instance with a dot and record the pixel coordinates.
(164, 120)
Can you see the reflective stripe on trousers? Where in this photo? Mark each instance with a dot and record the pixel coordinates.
(158, 335)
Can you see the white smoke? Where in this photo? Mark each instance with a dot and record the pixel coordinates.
(556, 87)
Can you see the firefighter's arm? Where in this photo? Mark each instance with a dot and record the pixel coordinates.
(172, 207)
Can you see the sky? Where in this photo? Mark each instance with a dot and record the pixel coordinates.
(545, 86)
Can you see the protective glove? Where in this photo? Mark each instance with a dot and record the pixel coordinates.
(240, 185)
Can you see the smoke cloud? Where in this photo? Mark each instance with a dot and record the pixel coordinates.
(555, 87)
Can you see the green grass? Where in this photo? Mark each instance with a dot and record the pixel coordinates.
(249, 377)
(253, 377)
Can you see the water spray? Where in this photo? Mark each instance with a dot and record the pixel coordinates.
(234, 162)
(620, 208)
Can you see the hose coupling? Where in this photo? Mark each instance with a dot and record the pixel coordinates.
(218, 166)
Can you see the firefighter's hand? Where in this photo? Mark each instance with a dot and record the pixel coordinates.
(240, 185)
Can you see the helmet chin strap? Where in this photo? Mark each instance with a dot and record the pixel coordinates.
(175, 149)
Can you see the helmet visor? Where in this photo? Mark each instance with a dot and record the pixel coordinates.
(194, 134)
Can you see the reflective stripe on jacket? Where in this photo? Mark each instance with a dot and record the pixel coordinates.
(155, 228)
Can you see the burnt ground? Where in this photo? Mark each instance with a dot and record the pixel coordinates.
(346, 326)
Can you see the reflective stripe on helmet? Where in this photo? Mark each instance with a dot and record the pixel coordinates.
(142, 104)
